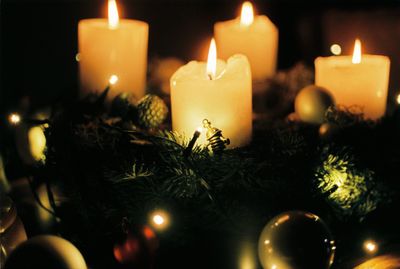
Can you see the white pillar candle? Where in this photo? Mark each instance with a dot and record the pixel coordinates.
(256, 37)
(115, 48)
(218, 91)
(358, 80)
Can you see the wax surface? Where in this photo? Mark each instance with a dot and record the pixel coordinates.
(226, 101)
(364, 85)
(258, 41)
(105, 52)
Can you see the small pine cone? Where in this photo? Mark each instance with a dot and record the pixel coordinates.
(152, 111)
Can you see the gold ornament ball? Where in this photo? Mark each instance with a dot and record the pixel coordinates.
(46, 252)
(311, 104)
(31, 143)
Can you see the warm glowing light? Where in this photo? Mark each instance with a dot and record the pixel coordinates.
(78, 57)
(14, 118)
(274, 266)
(398, 99)
(357, 52)
(247, 16)
(199, 129)
(282, 219)
(113, 18)
(370, 246)
(212, 60)
(336, 49)
(113, 79)
(247, 257)
(159, 220)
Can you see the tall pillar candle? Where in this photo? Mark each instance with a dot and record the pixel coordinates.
(113, 48)
(361, 80)
(218, 91)
(256, 37)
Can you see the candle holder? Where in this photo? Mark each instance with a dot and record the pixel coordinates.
(216, 141)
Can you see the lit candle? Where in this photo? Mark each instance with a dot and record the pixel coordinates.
(218, 91)
(360, 80)
(256, 37)
(113, 49)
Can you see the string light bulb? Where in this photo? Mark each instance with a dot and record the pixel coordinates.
(159, 220)
(370, 246)
(14, 118)
(113, 79)
(336, 49)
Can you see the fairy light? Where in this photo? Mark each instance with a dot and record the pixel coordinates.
(336, 49)
(14, 118)
(113, 79)
(370, 246)
(159, 220)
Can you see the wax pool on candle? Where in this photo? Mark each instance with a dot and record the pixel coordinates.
(361, 80)
(224, 98)
(256, 37)
(113, 48)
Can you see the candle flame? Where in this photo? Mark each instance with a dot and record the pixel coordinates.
(247, 16)
(113, 18)
(212, 60)
(357, 52)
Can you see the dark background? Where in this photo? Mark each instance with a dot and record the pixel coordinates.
(39, 37)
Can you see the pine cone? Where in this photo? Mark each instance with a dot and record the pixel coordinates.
(152, 111)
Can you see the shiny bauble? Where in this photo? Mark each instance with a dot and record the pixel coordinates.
(327, 131)
(12, 231)
(311, 104)
(296, 240)
(31, 143)
(46, 252)
(388, 261)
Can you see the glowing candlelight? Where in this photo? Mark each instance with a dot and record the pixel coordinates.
(113, 47)
(356, 80)
(357, 52)
(253, 36)
(247, 16)
(113, 18)
(217, 90)
(212, 60)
